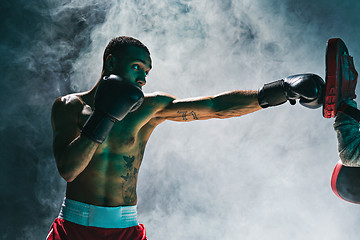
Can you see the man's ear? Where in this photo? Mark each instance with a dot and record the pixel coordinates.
(110, 63)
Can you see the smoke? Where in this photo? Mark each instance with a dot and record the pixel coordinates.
(265, 175)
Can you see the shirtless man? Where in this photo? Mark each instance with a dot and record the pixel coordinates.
(100, 137)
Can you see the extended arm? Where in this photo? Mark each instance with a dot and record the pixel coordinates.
(225, 105)
(306, 87)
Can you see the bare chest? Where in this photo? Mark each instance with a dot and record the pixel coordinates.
(124, 136)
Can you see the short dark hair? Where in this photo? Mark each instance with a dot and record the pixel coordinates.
(118, 45)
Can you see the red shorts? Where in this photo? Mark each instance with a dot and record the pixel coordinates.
(65, 230)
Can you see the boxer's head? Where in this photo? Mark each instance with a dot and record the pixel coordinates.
(128, 58)
(117, 47)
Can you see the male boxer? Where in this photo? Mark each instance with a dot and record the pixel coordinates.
(100, 137)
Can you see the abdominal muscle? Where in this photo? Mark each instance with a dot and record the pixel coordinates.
(109, 180)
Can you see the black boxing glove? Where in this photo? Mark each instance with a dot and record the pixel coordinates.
(306, 87)
(114, 99)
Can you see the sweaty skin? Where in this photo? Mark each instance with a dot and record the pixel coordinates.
(106, 174)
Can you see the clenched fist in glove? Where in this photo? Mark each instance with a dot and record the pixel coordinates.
(114, 99)
(306, 87)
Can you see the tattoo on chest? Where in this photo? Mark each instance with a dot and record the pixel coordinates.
(185, 114)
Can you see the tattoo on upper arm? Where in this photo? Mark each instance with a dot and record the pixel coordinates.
(185, 113)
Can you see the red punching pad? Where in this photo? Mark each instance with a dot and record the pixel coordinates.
(340, 80)
(345, 183)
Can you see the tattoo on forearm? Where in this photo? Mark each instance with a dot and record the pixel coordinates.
(194, 115)
(185, 113)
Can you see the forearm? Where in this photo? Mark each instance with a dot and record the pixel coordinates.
(75, 157)
(348, 135)
(224, 105)
(235, 103)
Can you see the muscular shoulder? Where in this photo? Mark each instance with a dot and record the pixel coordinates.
(159, 99)
(69, 102)
(155, 102)
(66, 108)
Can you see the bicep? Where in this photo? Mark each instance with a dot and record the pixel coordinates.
(224, 105)
(184, 110)
(65, 127)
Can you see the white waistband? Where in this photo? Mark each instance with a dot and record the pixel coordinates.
(96, 216)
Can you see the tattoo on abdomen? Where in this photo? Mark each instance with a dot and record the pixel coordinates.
(129, 161)
(129, 187)
(185, 113)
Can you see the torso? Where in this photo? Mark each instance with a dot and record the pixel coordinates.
(110, 179)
